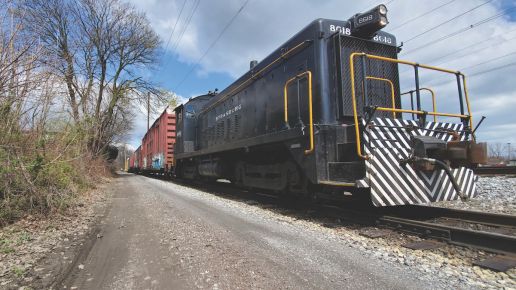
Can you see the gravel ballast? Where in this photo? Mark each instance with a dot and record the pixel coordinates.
(496, 194)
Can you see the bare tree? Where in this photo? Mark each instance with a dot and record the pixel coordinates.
(496, 150)
(51, 23)
(123, 42)
(98, 48)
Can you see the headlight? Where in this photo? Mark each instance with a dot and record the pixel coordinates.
(382, 9)
(383, 21)
(366, 24)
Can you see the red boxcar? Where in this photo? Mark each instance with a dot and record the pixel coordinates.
(134, 160)
(157, 150)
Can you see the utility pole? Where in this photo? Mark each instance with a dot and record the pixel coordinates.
(125, 156)
(148, 111)
(509, 151)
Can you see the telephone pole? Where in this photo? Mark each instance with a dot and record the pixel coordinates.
(509, 151)
(148, 111)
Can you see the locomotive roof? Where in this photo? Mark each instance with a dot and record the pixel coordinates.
(200, 97)
(167, 110)
(319, 28)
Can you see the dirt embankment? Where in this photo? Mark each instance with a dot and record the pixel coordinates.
(36, 252)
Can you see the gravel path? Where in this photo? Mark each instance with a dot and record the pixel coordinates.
(159, 235)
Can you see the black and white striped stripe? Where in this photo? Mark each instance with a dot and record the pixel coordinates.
(388, 141)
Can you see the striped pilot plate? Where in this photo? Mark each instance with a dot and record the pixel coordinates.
(388, 141)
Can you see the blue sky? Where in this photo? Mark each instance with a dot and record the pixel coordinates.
(264, 25)
(509, 4)
(171, 71)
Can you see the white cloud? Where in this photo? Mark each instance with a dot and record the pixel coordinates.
(265, 25)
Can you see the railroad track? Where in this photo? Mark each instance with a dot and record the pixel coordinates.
(487, 231)
(495, 170)
(492, 232)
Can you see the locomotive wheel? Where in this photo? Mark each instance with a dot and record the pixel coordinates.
(296, 182)
(239, 174)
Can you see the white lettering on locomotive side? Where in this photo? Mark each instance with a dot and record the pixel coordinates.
(343, 30)
(229, 112)
(347, 31)
(382, 38)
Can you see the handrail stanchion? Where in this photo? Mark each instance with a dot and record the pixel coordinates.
(468, 105)
(434, 104)
(364, 81)
(459, 87)
(418, 96)
(412, 104)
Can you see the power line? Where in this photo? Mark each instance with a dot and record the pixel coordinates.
(421, 15)
(212, 44)
(369, 4)
(490, 60)
(432, 62)
(196, 4)
(496, 68)
(482, 71)
(464, 29)
(389, 2)
(477, 50)
(492, 69)
(472, 45)
(174, 29)
(447, 21)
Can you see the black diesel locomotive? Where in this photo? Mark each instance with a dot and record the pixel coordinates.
(323, 114)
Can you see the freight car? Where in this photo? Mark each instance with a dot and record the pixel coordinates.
(156, 154)
(134, 161)
(322, 115)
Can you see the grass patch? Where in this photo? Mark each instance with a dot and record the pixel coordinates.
(18, 271)
(24, 237)
(5, 246)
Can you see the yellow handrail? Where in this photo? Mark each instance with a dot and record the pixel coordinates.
(310, 111)
(434, 105)
(353, 94)
(392, 91)
(421, 112)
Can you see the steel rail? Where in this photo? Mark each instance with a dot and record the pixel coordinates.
(454, 235)
(399, 222)
(502, 170)
(426, 212)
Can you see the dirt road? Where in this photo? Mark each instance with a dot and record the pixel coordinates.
(160, 235)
